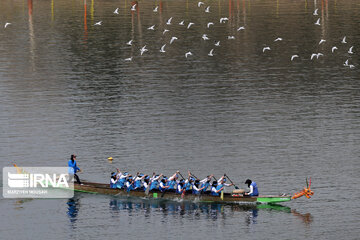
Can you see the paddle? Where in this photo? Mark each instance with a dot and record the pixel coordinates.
(181, 175)
(148, 187)
(236, 187)
(194, 176)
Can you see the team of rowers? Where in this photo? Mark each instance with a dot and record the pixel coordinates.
(194, 185)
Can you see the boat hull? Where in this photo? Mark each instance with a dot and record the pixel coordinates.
(99, 188)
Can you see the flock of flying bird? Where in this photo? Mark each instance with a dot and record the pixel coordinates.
(217, 43)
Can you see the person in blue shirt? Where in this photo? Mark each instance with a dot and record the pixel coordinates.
(113, 180)
(73, 168)
(254, 191)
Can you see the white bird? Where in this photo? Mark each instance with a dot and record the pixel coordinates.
(333, 49)
(116, 11)
(294, 56)
(200, 3)
(318, 55)
(6, 24)
(312, 56)
(209, 24)
(210, 54)
(169, 21)
(188, 54)
(173, 39)
(351, 66)
(346, 63)
(129, 42)
(181, 23)
(143, 49)
(322, 41)
(315, 12)
(165, 31)
(207, 9)
(98, 23)
(133, 8)
(151, 28)
(128, 59)
(231, 37)
(344, 40)
(217, 44)
(223, 19)
(156, 9)
(278, 39)
(205, 37)
(318, 22)
(266, 48)
(163, 48)
(190, 24)
(350, 50)
(241, 28)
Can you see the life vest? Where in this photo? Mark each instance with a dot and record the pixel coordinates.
(255, 189)
(112, 185)
(137, 184)
(213, 189)
(129, 186)
(195, 191)
(206, 184)
(171, 184)
(181, 189)
(161, 188)
(121, 182)
(154, 185)
(187, 186)
(72, 167)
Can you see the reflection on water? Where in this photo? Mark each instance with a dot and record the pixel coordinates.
(73, 208)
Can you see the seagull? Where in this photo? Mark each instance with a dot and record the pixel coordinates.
(207, 9)
(231, 37)
(351, 66)
(344, 40)
(266, 48)
(241, 28)
(350, 50)
(190, 24)
(209, 24)
(143, 49)
(223, 19)
(294, 56)
(318, 22)
(165, 30)
(312, 56)
(129, 42)
(156, 9)
(346, 63)
(210, 54)
(278, 39)
(163, 48)
(322, 41)
(169, 21)
(98, 23)
(116, 11)
(333, 49)
(217, 44)
(188, 54)
(181, 23)
(6, 24)
(173, 39)
(315, 12)
(200, 3)
(128, 59)
(205, 37)
(133, 8)
(151, 28)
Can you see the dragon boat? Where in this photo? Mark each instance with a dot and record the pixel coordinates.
(234, 197)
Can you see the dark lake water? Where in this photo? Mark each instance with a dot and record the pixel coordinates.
(65, 87)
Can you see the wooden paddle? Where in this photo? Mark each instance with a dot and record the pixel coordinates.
(236, 187)
(148, 188)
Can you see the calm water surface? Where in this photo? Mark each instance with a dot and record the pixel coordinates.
(65, 88)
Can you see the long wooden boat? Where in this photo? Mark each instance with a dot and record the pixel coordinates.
(100, 188)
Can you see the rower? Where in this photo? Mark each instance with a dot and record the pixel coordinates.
(180, 186)
(138, 181)
(163, 184)
(253, 188)
(195, 187)
(146, 182)
(129, 183)
(154, 181)
(189, 182)
(172, 181)
(122, 179)
(73, 168)
(206, 182)
(221, 184)
(113, 180)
